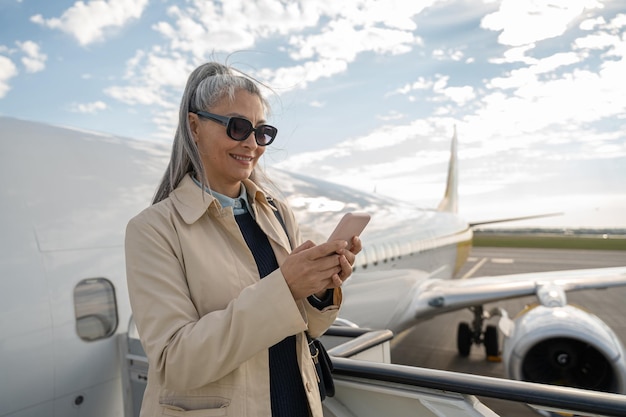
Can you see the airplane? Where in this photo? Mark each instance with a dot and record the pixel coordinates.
(67, 195)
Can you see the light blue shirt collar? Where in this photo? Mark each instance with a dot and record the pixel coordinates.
(240, 204)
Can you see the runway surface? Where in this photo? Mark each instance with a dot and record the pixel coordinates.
(433, 344)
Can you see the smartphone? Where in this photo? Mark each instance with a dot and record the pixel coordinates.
(351, 224)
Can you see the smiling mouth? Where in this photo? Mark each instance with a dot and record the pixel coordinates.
(242, 158)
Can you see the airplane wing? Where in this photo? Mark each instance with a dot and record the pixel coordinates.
(403, 298)
(448, 295)
(513, 219)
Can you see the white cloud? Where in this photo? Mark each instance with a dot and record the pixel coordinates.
(90, 108)
(553, 111)
(516, 54)
(421, 84)
(450, 54)
(556, 61)
(350, 152)
(299, 76)
(554, 91)
(151, 77)
(598, 40)
(547, 19)
(391, 116)
(87, 22)
(201, 31)
(34, 60)
(354, 27)
(158, 69)
(135, 95)
(459, 95)
(8, 70)
(206, 27)
(342, 40)
(618, 21)
(590, 24)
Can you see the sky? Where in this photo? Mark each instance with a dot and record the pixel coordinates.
(364, 93)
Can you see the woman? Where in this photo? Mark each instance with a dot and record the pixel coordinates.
(220, 300)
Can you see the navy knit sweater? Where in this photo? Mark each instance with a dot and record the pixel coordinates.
(288, 398)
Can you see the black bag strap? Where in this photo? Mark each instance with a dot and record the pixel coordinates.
(271, 202)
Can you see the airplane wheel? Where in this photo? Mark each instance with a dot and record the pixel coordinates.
(491, 341)
(464, 339)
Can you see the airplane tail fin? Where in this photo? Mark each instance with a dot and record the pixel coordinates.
(450, 201)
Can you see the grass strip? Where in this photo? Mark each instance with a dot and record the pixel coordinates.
(548, 242)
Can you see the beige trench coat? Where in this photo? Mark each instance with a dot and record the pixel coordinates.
(204, 317)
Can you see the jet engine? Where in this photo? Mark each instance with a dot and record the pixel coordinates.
(564, 345)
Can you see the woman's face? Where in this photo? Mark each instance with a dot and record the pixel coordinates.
(226, 161)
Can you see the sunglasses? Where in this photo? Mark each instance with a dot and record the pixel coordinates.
(238, 128)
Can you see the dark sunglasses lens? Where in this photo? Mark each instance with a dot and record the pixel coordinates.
(265, 134)
(238, 128)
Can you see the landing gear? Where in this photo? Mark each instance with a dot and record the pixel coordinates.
(490, 340)
(468, 335)
(464, 339)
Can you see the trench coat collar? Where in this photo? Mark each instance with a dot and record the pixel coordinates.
(192, 202)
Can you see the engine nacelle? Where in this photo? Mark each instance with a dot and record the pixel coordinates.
(565, 346)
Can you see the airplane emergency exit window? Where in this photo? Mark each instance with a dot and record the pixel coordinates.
(95, 308)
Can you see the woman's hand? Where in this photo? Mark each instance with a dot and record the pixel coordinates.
(312, 269)
(346, 260)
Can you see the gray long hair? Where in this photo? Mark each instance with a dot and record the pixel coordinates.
(207, 85)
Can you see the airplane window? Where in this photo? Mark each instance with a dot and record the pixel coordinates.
(95, 308)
